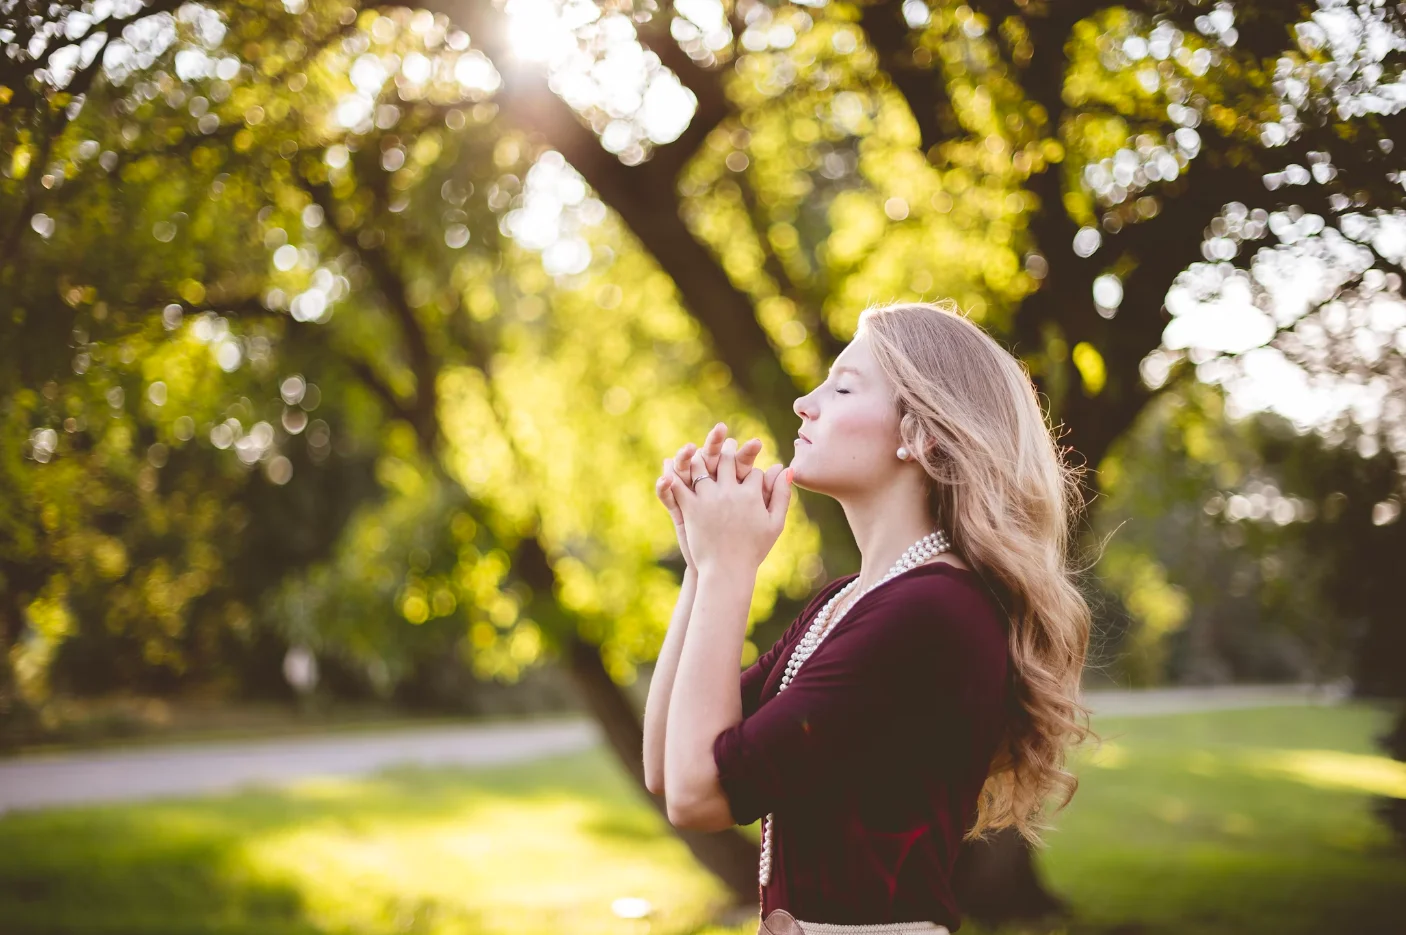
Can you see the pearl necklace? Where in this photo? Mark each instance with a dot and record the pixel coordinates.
(919, 552)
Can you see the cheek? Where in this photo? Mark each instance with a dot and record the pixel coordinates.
(861, 431)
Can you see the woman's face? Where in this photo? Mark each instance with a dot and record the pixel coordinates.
(849, 426)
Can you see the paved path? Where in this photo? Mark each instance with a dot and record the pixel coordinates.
(47, 780)
(1184, 699)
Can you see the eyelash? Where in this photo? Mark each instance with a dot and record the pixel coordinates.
(846, 392)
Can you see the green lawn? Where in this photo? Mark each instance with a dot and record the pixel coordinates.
(1231, 822)
(1251, 821)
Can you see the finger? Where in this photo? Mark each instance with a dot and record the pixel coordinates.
(674, 496)
(671, 503)
(747, 457)
(682, 459)
(727, 462)
(780, 499)
(684, 493)
(661, 483)
(664, 489)
(695, 469)
(769, 480)
(712, 447)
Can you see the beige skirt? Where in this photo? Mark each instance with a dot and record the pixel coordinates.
(781, 922)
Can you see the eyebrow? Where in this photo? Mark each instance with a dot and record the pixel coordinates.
(845, 367)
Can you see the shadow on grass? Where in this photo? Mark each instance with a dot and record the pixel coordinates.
(131, 875)
(1221, 823)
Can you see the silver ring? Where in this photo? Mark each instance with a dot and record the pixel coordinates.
(693, 484)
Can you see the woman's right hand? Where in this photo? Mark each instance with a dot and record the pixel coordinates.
(677, 470)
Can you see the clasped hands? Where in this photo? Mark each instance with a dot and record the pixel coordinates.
(733, 518)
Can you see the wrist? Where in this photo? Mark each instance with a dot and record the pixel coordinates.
(726, 568)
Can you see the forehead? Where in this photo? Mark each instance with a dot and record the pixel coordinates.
(855, 359)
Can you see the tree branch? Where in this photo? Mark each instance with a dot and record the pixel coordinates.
(809, 305)
(923, 87)
(645, 197)
(423, 363)
(17, 73)
(706, 84)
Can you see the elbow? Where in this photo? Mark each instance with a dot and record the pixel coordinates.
(653, 781)
(691, 812)
(680, 817)
(699, 818)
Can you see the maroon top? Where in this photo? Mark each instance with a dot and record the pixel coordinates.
(872, 758)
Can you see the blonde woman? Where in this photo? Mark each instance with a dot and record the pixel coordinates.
(917, 704)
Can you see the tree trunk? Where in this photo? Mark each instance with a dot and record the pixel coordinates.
(16, 717)
(729, 855)
(995, 882)
(1393, 810)
(1001, 879)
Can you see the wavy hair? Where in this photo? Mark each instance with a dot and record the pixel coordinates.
(1008, 500)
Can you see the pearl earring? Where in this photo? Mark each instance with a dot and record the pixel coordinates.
(903, 454)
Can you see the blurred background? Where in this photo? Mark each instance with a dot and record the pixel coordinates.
(340, 345)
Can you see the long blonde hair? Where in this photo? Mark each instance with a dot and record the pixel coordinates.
(970, 415)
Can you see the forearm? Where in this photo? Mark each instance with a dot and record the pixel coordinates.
(661, 684)
(707, 696)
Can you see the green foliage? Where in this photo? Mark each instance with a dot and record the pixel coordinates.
(1243, 548)
(1213, 595)
(293, 265)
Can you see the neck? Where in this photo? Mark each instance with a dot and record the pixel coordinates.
(885, 523)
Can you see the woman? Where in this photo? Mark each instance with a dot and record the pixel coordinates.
(922, 702)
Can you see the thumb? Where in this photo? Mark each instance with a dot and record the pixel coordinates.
(683, 494)
(780, 498)
(670, 499)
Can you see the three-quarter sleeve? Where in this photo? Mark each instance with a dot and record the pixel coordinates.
(755, 675)
(908, 660)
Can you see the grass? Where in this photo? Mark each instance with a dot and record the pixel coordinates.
(1230, 822)
(1233, 822)
(538, 848)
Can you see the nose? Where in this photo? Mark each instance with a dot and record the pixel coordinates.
(803, 408)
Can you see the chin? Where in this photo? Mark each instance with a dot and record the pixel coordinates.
(801, 476)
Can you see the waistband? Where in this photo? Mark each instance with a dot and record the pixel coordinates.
(781, 922)
(886, 928)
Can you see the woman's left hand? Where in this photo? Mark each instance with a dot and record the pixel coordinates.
(727, 521)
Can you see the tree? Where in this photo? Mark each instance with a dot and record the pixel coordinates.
(1216, 553)
(1176, 161)
(1061, 168)
(416, 308)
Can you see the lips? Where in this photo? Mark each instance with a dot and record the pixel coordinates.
(802, 437)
